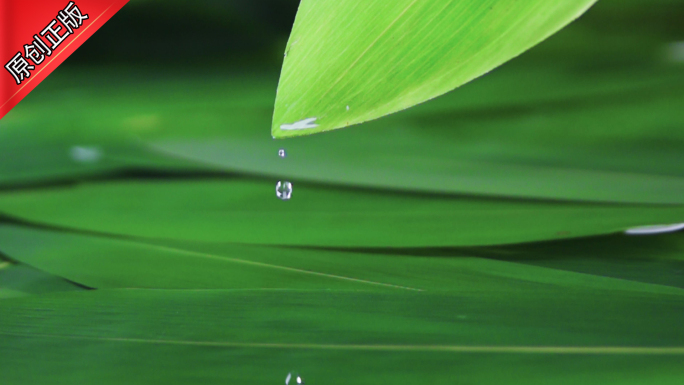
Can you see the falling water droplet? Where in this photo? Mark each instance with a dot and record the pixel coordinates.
(281, 153)
(294, 378)
(284, 190)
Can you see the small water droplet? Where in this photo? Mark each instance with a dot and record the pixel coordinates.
(347, 108)
(284, 190)
(85, 154)
(282, 153)
(294, 378)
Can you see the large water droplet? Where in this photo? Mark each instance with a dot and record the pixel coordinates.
(284, 190)
(293, 378)
(281, 153)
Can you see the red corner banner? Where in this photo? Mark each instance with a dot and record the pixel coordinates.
(37, 36)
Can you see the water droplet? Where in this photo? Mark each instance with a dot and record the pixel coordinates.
(347, 108)
(284, 190)
(85, 154)
(294, 378)
(282, 153)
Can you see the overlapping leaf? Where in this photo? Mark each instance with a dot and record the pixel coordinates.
(19, 280)
(606, 141)
(247, 211)
(603, 135)
(593, 115)
(102, 262)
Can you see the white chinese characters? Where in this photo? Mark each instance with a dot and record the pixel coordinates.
(21, 65)
(19, 68)
(37, 50)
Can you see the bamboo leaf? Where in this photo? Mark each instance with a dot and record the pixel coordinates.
(650, 259)
(583, 336)
(247, 211)
(569, 136)
(348, 62)
(102, 262)
(84, 144)
(19, 280)
(32, 156)
(601, 136)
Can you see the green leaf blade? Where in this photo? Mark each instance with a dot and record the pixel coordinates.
(19, 280)
(218, 336)
(109, 263)
(349, 62)
(247, 212)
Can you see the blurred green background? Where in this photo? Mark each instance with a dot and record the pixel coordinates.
(478, 238)
(226, 34)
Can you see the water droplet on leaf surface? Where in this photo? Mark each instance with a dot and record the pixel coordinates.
(85, 154)
(293, 378)
(284, 190)
(282, 153)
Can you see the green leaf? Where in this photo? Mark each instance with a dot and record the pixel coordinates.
(603, 135)
(575, 335)
(348, 62)
(102, 262)
(19, 280)
(34, 155)
(657, 259)
(569, 136)
(81, 133)
(247, 211)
